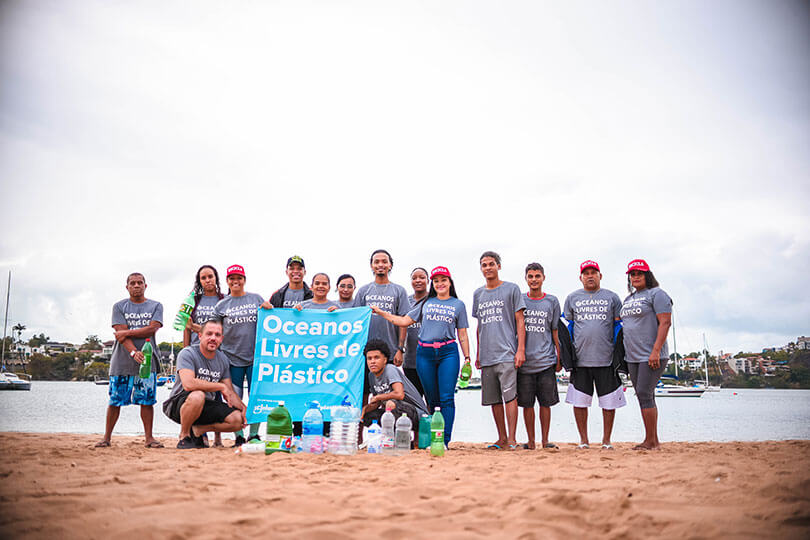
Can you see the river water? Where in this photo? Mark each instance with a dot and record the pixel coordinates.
(728, 415)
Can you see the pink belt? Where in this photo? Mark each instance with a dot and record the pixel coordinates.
(436, 344)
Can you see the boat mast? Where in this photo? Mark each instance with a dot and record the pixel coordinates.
(674, 344)
(706, 359)
(5, 323)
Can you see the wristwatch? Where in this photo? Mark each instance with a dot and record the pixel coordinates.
(401, 349)
(132, 354)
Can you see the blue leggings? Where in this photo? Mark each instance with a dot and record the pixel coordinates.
(238, 376)
(438, 371)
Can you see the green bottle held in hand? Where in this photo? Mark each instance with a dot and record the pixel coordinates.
(146, 367)
(466, 373)
(437, 434)
(185, 312)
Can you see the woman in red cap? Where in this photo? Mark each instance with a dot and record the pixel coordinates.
(646, 318)
(443, 317)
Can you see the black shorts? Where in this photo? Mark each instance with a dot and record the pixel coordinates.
(609, 387)
(541, 386)
(213, 411)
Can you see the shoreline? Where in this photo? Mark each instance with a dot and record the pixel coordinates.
(61, 485)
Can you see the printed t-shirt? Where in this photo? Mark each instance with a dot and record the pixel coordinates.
(593, 314)
(440, 319)
(203, 313)
(134, 316)
(541, 317)
(293, 297)
(238, 317)
(344, 305)
(390, 375)
(412, 339)
(389, 297)
(310, 304)
(640, 323)
(213, 370)
(495, 310)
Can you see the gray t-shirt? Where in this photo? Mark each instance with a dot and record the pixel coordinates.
(593, 314)
(238, 317)
(213, 370)
(541, 318)
(495, 310)
(134, 316)
(389, 297)
(310, 304)
(440, 319)
(641, 324)
(390, 375)
(344, 305)
(202, 314)
(293, 297)
(412, 340)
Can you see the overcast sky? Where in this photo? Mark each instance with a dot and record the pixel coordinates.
(159, 136)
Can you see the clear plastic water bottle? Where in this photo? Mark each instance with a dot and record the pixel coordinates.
(312, 429)
(387, 422)
(374, 438)
(343, 432)
(403, 434)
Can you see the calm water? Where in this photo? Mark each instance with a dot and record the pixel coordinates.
(728, 415)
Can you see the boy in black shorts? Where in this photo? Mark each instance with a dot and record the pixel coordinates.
(537, 377)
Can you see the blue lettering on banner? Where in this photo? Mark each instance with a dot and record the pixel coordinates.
(308, 355)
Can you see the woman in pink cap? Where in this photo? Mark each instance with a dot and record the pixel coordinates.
(443, 317)
(646, 318)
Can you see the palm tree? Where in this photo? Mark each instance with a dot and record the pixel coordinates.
(18, 329)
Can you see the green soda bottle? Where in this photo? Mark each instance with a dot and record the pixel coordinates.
(279, 430)
(466, 373)
(185, 312)
(437, 434)
(146, 368)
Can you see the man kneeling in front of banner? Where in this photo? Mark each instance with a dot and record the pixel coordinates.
(203, 371)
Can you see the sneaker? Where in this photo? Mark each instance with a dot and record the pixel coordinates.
(186, 443)
(198, 441)
(204, 438)
(239, 441)
(254, 438)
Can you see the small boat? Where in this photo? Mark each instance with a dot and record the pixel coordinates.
(13, 381)
(474, 384)
(676, 390)
(100, 381)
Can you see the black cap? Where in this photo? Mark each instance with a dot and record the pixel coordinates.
(296, 259)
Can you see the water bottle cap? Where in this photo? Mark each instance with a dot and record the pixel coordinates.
(373, 422)
(437, 409)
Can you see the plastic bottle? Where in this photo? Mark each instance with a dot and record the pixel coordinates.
(374, 438)
(466, 373)
(250, 449)
(437, 434)
(279, 430)
(424, 431)
(343, 432)
(184, 314)
(403, 434)
(387, 423)
(312, 430)
(146, 367)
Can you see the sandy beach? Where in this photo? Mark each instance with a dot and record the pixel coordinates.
(58, 485)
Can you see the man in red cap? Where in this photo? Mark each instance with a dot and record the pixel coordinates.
(593, 310)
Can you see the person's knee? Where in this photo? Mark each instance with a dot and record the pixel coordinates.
(233, 421)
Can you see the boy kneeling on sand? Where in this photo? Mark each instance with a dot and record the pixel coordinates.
(389, 384)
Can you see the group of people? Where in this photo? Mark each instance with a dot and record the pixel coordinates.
(412, 354)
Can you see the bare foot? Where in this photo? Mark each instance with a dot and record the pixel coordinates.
(153, 443)
(646, 446)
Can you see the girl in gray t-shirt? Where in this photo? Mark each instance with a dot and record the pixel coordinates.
(206, 295)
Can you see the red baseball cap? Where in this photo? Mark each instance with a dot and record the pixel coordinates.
(638, 264)
(235, 270)
(440, 271)
(588, 264)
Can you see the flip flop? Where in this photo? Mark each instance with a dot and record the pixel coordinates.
(513, 447)
(525, 446)
(607, 447)
(154, 444)
(550, 445)
(494, 446)
(103, 444)
(583, 446)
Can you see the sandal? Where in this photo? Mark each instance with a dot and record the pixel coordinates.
(102, 444)
(154, 444)
(550, 445)
(494, 446)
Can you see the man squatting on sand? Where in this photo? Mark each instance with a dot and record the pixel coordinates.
(519, 349)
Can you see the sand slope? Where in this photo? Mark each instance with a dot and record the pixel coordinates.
(58, 486)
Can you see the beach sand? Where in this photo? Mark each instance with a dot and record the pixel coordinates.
(59, 486)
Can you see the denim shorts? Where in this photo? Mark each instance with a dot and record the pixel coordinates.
(132, 390)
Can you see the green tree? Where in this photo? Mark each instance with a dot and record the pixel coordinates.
(60, 368)
(92, 343)
(38, 340)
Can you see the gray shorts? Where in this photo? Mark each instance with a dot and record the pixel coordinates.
(498, 383)
(541, 386)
